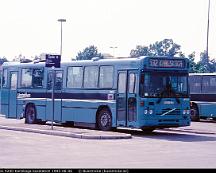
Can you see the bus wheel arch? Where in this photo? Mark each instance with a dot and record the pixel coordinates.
(30, 114)
(104, 118)
(194, 112)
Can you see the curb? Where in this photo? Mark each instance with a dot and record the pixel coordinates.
(66, 134)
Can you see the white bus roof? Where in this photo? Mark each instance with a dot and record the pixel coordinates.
(202, 74)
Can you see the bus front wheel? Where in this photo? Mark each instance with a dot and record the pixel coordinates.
(30, 115)
(104, 120)
(148, 130)
(194, 113)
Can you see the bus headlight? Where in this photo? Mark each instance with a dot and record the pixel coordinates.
(145, 111)
(186, 112)
(150, 112)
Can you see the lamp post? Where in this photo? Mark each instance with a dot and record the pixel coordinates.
(61, 20)
(113, 47)
(208, 30)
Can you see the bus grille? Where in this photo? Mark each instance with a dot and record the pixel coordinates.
(175, 112)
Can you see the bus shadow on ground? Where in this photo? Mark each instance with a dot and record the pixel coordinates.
(205, 121)
(170, 135)
(186, 135)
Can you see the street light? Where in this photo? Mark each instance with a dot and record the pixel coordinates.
(208, 30)
(113, 47)
(61, 20)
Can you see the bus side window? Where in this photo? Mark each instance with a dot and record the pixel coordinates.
(209, 84)
(132, 83)
(122, 78)
(58, 80)
(90, 77)
(37, 78)
(26, 78)
(74, 77)
(195, 84)
(142, 79)
(13, 81)
(212, 84)
(106, 77)
(4, 78)
(49, 81)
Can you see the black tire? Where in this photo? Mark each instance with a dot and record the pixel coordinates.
(148, 129)
(104, 120)
(194, 113)
(68, 124)
(30, 115)
(41, 122)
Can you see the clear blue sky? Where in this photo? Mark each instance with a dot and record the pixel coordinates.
(30, 27)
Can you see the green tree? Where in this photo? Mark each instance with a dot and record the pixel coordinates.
(21, 59)
(140, 51)
(213, 65)
(88, 53)
(205, 65)
(192, 63)
(2, 60)
(166, 47)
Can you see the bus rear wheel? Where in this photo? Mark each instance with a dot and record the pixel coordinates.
(30, 115)
(104, 120)
(194, 113)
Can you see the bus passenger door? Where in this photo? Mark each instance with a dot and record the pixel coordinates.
(126, 98)
(121, 99)
(13, 95)
(5, 93)
(132, 99)
(57, 95)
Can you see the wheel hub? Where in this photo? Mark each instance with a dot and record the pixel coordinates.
(104, 119)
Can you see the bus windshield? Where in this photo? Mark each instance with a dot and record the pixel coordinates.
(164, 85)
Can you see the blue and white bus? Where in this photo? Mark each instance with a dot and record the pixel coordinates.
(203, 95)
(144, 92)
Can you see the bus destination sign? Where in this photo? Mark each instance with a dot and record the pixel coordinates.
(166, 63)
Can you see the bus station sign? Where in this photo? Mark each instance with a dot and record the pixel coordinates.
(53, 60)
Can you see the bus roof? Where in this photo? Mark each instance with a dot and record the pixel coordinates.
(94, 61)
(15, 64)
(202, 74)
